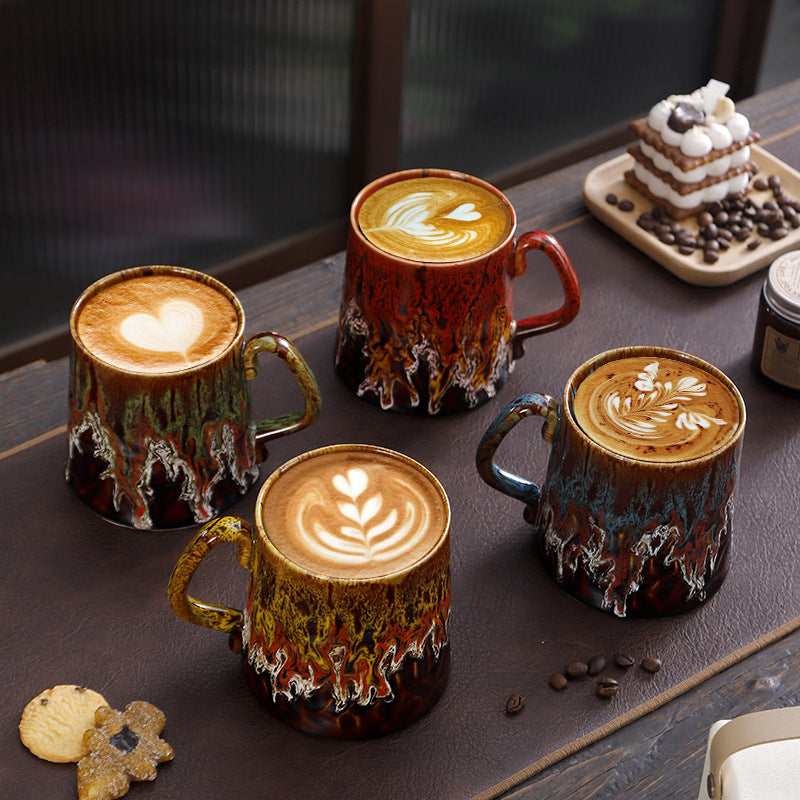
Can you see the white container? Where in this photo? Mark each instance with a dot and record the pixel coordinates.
(753, 757)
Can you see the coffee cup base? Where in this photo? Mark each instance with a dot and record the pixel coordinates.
(416, 686)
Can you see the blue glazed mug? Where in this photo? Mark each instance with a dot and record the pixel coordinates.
(634, 516)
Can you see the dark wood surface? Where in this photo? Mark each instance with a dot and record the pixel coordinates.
(659, 755)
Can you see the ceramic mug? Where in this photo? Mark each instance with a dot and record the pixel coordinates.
(345, 633)
(160, 431)
(426, 323)
(635, 513)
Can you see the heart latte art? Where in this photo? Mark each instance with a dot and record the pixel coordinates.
(434, 219)
(354, 514)
(157, 323)
(656, 409)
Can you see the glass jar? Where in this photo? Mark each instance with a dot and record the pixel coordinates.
(776, 346)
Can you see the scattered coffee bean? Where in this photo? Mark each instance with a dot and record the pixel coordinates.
(650, 664)
(577, 669)
(597, 665)
(625, 205)
(611, 198)
(760, 185)
(751, 245)
(778, 233)
(774, 181)
(704, 218)
(515, 703)
(710, 256)
(623, 660)
(606, 687)
(558, 681)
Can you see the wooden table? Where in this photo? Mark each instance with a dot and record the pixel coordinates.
(659, 755)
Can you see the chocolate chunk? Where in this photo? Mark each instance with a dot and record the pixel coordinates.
(126, 740)
(685, 116)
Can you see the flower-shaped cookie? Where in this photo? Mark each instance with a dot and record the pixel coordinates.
(123, 747)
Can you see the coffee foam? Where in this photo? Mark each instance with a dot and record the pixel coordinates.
(434, 219)
(354, 514)
(157, 323)
(656, 409)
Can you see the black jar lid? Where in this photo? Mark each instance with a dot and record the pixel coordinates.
(782, 287)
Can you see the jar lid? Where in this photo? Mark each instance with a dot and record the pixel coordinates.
(782, 287)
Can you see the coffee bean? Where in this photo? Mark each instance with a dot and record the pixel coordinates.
(710, 231)
(650, 664)
(515, 703)
(611, 199)
(667, 237)
(774, 181)
(778, 233)
(753, 244)
(577, 669)
(558, 681)
(606, 687)
(625, 205)
(623, 660)
(686, 249)
(597, 665)
(646, 222)
(710, 256)
(704, 218)
(760, 185)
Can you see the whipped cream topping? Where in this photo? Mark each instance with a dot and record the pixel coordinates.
(722, 125)
(719, 166)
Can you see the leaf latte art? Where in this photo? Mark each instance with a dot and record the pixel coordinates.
(343, 515)
(434, 219)
(656, 409)
(370, 526)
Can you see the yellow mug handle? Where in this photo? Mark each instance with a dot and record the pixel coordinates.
(209, 615)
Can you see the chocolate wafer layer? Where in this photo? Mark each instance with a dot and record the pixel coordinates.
(687, 188)
(674, 154)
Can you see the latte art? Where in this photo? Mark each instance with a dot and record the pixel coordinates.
(354, 514)
(656, 409)
(434, 219)
(157, 323)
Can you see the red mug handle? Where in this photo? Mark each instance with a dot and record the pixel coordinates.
(539, 240)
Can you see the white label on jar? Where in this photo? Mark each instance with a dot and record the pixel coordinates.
(780, 358)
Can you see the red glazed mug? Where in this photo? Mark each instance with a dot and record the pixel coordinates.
(427, 323)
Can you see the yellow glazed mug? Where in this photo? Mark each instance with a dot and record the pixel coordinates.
(346, 629)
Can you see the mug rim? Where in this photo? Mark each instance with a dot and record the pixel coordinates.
(429, 172)
(392, 575)
(634, 351)
(128, 273)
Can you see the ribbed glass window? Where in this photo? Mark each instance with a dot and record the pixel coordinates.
(162, 131)
(491, 84)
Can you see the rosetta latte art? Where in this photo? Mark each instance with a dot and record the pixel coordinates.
(358, 525)
(434, 219)
(660, 410)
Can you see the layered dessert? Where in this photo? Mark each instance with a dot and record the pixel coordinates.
(692, 150)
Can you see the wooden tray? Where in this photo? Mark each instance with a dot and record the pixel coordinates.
(733, 264)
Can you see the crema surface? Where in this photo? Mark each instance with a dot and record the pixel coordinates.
(434, 219)
(354, 514)
(656, 409)
(157, 323)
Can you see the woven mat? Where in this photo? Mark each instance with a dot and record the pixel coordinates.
(85, 602)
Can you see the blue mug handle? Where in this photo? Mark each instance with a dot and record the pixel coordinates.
(527, 405)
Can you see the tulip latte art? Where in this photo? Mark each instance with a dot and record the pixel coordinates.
(353, 514)
(656, 409)
(434, 219)
(157, 323)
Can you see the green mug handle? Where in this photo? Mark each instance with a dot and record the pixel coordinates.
(528, 405)
(269, 342)
(209, 615)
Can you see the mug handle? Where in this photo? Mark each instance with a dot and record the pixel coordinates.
(539, 240)
(528, 405)
(209, 615)
(269, 342)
